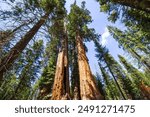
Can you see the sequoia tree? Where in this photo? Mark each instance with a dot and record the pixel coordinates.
(78, 20)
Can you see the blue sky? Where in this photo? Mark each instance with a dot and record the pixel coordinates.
(100, 24)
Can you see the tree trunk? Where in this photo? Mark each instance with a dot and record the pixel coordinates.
(88, 89)
(120, 89)
(76, 91)
(6, 37)
(9, 59)
(58, 87)
(75, 83)
(61, 90)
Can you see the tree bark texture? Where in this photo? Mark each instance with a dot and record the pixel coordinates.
(88, 89)
(58, 87)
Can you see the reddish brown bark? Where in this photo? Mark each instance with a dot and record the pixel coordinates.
(61, 88)
(58, 87)
(9, 59)
(88, 89)
(145, 90)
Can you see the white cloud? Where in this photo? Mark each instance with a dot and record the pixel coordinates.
(105, 35)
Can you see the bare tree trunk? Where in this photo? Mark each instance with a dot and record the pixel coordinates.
(88, 89)
(61, 88)
(9, 59)
(58, 87)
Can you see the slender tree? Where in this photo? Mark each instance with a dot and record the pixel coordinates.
(47, 78)
(110, 88)
(114, 69)
(130, 45)
(7, 35)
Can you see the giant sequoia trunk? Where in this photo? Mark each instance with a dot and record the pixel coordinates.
(9, 59)
(88, 89)
(61, 88)
(143, 5)
(58, 88)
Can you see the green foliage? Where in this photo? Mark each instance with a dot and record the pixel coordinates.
(134, 43)
(129, 88)
(111, 91)
(25, 75)
(136, 75)
(100, 84)
(78, 20)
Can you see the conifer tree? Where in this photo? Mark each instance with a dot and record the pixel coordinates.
(78, 20)
(110, 88)
(138, 77)
(13, 54)
(28, 73)
(114, 69)
(130, 44)
(48, 73)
